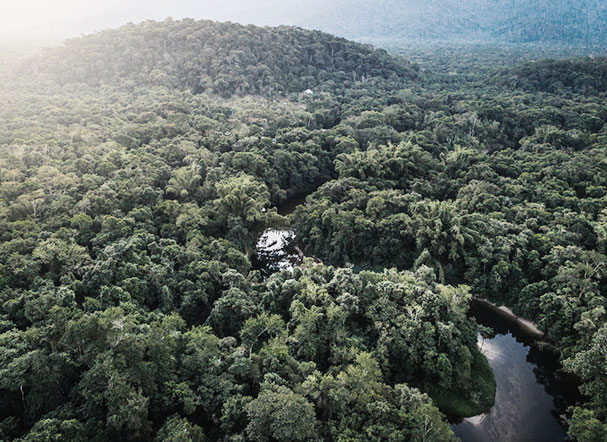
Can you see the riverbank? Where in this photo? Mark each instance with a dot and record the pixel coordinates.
(533, 336)
(526, 326)
(532, 390)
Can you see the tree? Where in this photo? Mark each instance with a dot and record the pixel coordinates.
(177, 429)
(55, 430)
(184, 183)
(280, 414)
(585, 427)
(243, 208)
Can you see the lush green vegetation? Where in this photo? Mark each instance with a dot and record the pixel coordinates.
(502, 189)
(223, 58)
(129, 213)
(580, 76)
(456, 404)
(138, 168)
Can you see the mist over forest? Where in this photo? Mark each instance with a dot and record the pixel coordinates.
(514, 21)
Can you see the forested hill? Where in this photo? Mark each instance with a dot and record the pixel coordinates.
(133, 196)
(225, 58)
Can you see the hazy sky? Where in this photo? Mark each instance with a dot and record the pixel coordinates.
(24, 15)
(51, 21)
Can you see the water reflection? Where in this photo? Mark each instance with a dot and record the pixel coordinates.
(275, 251)
(531, 392)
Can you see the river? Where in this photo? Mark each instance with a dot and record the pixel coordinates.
(532, 393)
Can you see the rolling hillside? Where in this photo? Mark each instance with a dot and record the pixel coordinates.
(225, 58)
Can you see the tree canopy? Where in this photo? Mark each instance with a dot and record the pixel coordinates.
(140, 166)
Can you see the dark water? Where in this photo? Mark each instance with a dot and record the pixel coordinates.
(291, 204)
(532, 393)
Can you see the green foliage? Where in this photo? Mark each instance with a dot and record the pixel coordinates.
(126, 281)
(179, 430)
(224, 58)
(583, 76)
(454, 404)
(585, 427)
(280, 414)
(133, 192)
(509, 201)
(53, 430)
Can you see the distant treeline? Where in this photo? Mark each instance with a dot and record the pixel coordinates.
(586, 76)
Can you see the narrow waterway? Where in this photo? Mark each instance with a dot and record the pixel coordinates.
(532, 393)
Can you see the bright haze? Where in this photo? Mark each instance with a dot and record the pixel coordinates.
(59, 19)
(515, 21)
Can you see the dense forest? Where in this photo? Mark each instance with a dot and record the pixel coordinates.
(222, 58)
(140, 166)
